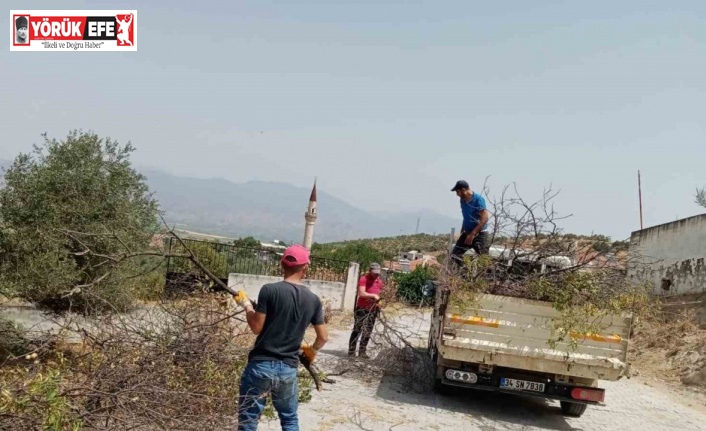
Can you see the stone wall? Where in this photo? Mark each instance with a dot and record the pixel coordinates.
(340, 295)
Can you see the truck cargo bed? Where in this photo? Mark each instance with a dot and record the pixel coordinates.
(514, 333)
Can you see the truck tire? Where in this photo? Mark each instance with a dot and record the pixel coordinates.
(572, 409)
(441, 388)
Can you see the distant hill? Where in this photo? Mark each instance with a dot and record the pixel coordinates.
(271, 210)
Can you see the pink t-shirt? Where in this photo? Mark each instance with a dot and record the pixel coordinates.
(372, 285)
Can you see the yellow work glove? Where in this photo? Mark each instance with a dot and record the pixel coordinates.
(242, 299)
(308, 352)
(381, 303)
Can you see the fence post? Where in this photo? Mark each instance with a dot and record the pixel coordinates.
(169, 257)
(351, 287)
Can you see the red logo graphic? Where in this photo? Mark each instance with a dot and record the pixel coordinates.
(125, 29)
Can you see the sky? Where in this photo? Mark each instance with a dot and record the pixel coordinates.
(388, 103)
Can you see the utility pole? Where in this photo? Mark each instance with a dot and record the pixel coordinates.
(639, 191)
(416, 231)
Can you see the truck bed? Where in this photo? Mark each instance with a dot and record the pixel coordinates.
(514, 333)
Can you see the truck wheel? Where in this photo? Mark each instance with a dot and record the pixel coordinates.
(441, 388)
(572, 409)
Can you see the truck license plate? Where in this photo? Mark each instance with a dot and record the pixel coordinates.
(521, 385)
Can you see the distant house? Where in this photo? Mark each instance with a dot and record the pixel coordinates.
(406, 265)
(527, 258)
(275, 245)
(594, 259)
(410, 255)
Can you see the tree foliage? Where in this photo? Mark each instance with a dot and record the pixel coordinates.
(61, 201)
(359, 252)
(246, 245)
(701, 197)
(208, 253)
(247, 242)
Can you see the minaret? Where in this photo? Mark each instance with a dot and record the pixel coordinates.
(310, 218)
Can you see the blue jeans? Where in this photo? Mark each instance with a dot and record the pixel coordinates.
(268, 377)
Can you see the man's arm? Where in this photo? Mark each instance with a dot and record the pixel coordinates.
(319, 324)
(484, 217)
(256, 320)
(321, 337)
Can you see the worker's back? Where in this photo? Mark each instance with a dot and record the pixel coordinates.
(289, 309)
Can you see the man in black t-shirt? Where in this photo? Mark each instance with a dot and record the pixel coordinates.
(284, 310)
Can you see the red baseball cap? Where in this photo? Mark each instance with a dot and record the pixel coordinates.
(295, 255)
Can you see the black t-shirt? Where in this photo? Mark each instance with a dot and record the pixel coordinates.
(289, 309)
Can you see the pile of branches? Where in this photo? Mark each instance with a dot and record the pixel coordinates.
(174, 366)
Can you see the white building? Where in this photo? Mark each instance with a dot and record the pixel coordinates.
(671, 256)
(410, 255)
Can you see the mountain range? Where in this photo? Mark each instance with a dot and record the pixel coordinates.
(273, 210)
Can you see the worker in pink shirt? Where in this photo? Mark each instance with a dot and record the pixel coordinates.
(366, 310)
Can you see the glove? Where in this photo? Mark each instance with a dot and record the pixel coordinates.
(308, 352)
(380, 303)
(242, 299)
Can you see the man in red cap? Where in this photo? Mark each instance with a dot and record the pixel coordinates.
(283, 312)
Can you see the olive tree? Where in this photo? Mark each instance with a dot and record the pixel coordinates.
(63, 206)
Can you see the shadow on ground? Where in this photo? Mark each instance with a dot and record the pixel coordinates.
(481, 406)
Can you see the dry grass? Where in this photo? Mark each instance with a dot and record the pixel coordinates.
(669, 346)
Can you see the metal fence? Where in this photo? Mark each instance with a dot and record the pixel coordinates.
(223, 259)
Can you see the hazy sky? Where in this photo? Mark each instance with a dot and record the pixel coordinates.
(390, 102)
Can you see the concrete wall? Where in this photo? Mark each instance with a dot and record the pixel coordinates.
(341, 295)
(672, 255)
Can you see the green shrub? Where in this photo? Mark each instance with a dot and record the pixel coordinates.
(207, 253)
(410, 286)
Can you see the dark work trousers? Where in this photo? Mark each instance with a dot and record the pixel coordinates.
(480, 244)
(363, 328)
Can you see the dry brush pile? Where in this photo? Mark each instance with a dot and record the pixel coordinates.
(175, 366)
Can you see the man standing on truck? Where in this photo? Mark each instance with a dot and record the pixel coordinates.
(366, 310)
(283, 312)
(474, 231)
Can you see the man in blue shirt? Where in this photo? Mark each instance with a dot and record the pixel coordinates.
(474, 231)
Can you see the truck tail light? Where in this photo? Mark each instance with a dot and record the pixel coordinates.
(585, 394)
(461, 376)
